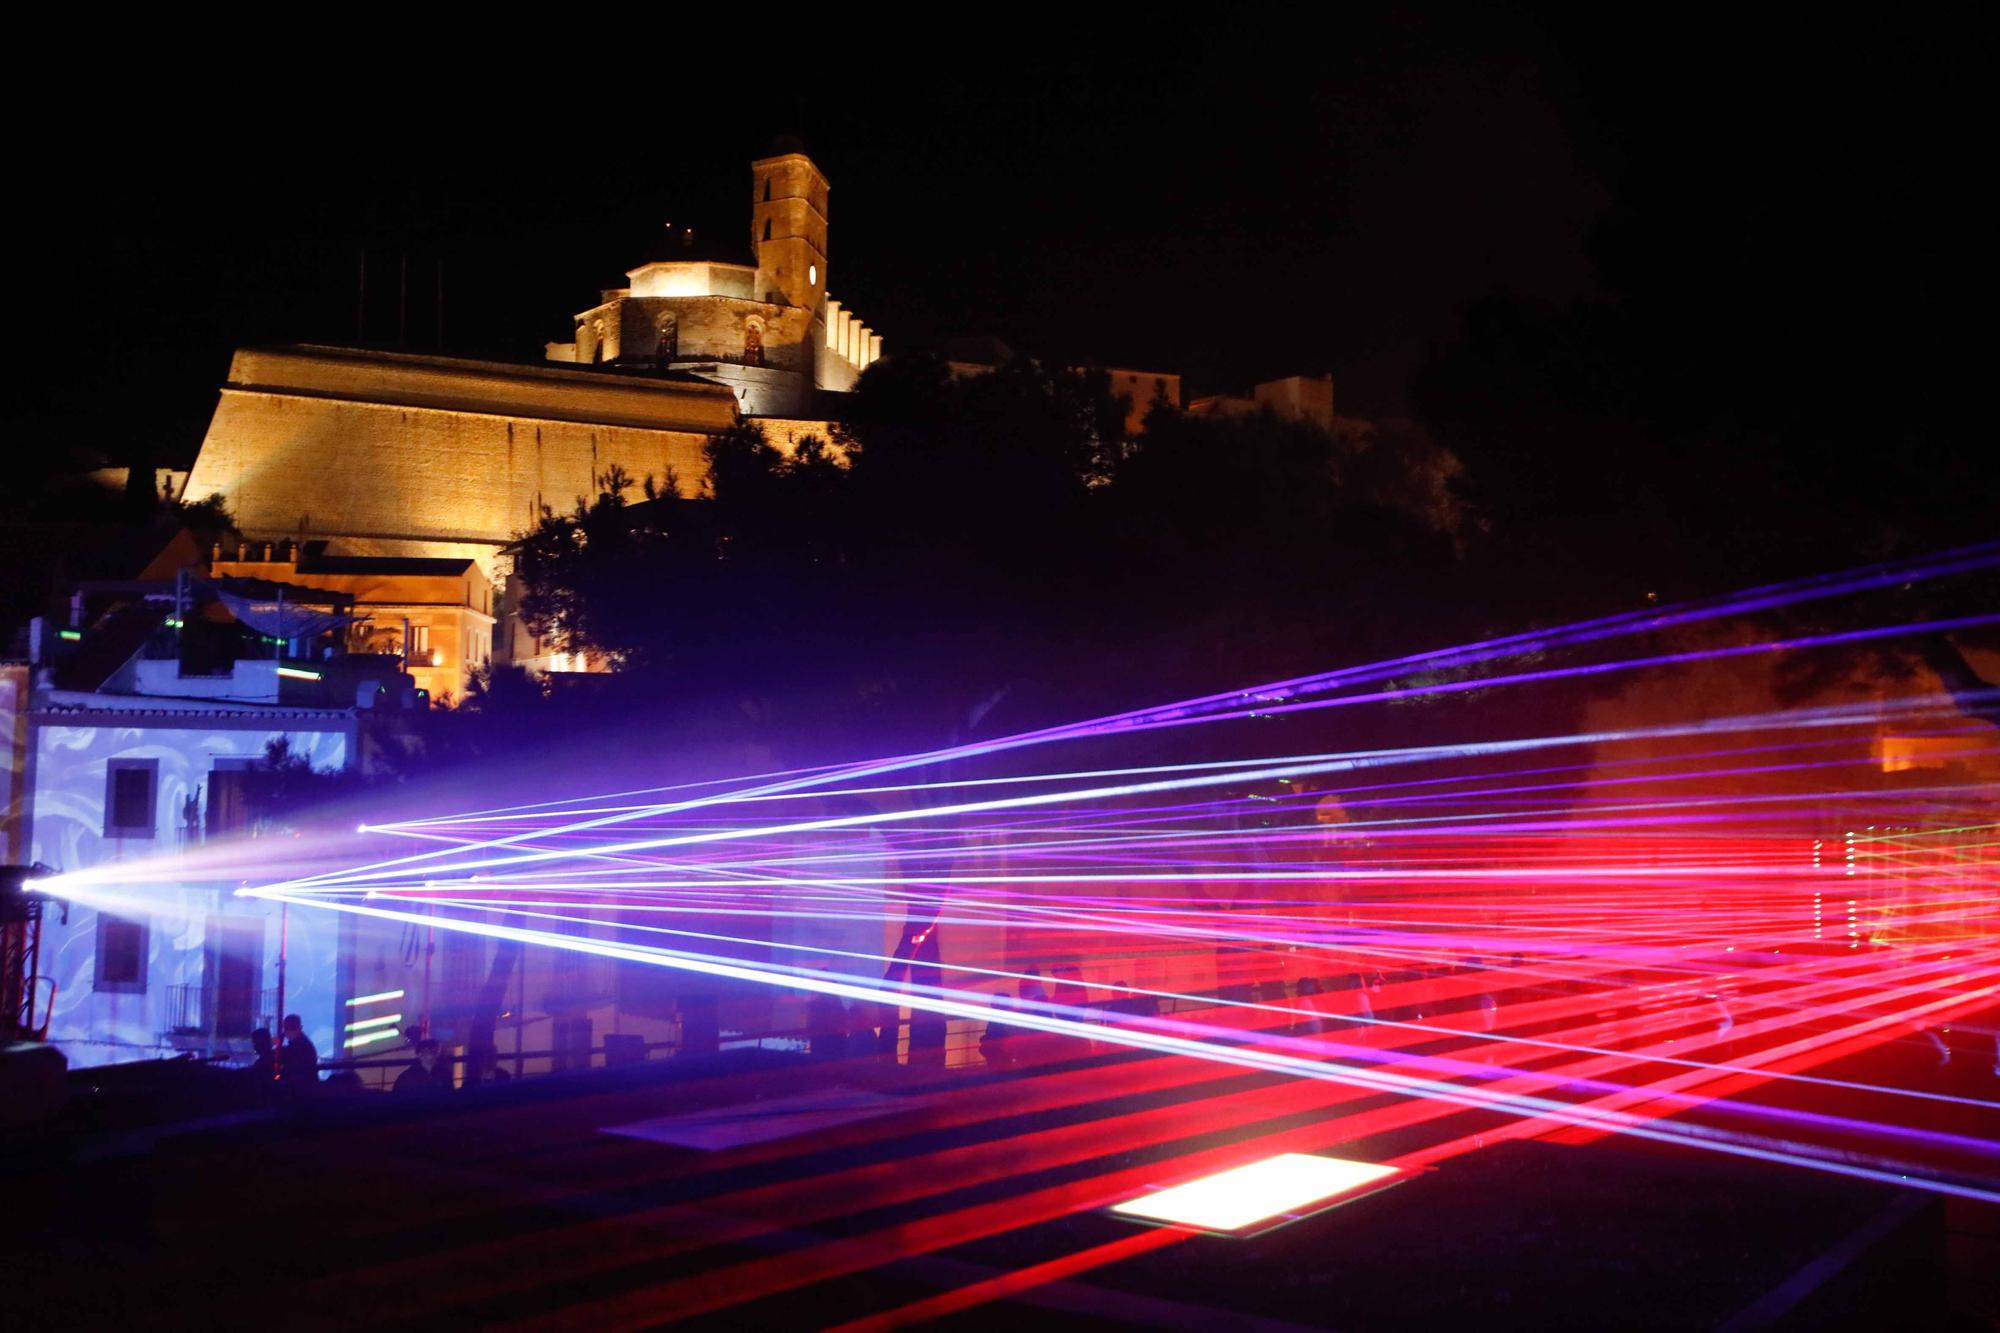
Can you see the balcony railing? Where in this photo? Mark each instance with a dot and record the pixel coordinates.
(186, 1008)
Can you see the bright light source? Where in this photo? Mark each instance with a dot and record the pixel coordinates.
(1243, 1196)
(368, 1038)
(375, 998)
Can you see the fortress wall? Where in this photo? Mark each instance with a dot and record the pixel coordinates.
(422, 480)
(495, 388)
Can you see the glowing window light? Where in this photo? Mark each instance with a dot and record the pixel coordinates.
(364, 1038)
(1243, 1196)
(376, 998)
(385, 1020)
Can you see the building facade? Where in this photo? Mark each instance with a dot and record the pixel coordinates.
(172, 961)
(435, 613)
(142, 736)
(1307, 398)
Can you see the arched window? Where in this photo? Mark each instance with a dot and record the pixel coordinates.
(753, 343)
(669, 345)
(767, 229)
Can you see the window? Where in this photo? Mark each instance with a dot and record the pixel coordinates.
(767, 229)
(420, 642)
(767, 193)
(128, 797)
(812, 275)
(120, 968)
(753, 343)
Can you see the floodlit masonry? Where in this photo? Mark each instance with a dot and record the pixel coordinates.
(383, 453)
(389, 453)
(766, 329)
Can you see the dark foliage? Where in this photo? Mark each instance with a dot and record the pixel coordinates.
(984, 538)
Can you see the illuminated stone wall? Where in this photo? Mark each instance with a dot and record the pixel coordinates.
(784, 434)
(709, 336)
(714, 326)
(389, 454)
(805, 340)
(1143, 389)
(693, 278)
(788, 210)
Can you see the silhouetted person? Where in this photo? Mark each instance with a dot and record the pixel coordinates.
(263, 1071)
(1031, 988)
(424, 1078)
(299, 1062)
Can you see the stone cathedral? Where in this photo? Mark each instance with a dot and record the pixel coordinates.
(768, 330)
(411, 454)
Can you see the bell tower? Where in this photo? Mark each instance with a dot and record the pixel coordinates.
(788, 226)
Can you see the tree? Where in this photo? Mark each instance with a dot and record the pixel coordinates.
(1252, 545)
(994, 536)
(593, 577)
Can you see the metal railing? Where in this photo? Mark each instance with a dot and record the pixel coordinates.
(379, 1073)
(186, 1006)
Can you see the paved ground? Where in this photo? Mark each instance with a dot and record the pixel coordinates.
(967, 1198)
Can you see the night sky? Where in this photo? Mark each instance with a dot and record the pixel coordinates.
(1795, 206)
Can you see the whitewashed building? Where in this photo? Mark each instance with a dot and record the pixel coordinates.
(187, 966)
